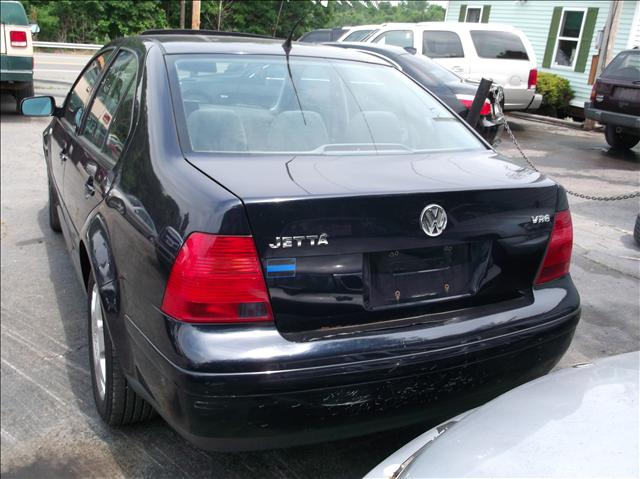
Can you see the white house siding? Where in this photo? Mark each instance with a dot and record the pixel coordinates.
(629, 29)
(533, 17)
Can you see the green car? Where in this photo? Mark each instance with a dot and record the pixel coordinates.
(16, 50)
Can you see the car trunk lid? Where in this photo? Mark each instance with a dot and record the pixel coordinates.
(341, 241)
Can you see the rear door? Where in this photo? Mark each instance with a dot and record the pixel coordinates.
(501, 56)
(87, 177)
(446, 48)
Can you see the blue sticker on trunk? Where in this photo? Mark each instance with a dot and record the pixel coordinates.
(281, 268)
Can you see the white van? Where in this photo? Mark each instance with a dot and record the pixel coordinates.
(474, 50)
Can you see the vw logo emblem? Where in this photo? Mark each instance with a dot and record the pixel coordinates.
(433, 220)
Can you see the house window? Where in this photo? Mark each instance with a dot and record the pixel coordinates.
(568, 41)
(474, 14)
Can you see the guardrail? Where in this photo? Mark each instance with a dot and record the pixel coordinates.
(68, 46)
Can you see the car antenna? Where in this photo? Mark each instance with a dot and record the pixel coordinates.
(286, 46)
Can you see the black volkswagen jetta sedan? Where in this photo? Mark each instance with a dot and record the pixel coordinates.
(283, 246)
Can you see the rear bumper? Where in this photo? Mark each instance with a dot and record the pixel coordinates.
(271, 392)
(16, 69)
(521, 99)
(611, 118)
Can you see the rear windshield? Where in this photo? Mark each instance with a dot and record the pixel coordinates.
(12, 13)
(500, 45)
(625, 66)
(255, 104)
(316, 36)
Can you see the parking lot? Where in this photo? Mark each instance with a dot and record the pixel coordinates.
(49, 424)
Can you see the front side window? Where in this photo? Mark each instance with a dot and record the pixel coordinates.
(357, 36)
(325, 107)
(114, 94)
(473, 15)
(399, 38)
(79, 96)
(441, 44)
(569, 38)
(498, 45)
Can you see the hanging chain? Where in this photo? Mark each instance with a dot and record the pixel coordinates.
(635, 194)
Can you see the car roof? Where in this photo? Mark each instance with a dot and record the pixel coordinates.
(183, 42)
(453, 26)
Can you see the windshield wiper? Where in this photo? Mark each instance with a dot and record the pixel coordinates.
(286, 46)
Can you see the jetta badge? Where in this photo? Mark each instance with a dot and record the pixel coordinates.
(433, 220)
(291, 241)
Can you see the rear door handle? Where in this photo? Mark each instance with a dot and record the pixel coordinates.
(63, 155)
(89, 189)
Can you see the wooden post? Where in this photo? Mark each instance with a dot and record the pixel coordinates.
(195, 15)
(182, 12)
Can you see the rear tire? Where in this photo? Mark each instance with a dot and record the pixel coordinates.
(117, 403)
(54, 218)
(620, 140)
(25, 91)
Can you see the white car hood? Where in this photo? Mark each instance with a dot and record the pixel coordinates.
(576, 422)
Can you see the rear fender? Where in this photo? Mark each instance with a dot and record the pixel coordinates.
(103, 267)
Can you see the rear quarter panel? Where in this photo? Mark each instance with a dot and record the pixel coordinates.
(156, 201)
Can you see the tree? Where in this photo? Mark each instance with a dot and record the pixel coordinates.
(99, 21)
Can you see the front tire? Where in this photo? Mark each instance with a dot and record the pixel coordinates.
(620, 140)
(117, 403)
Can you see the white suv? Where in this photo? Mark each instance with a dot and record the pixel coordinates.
(474, 50)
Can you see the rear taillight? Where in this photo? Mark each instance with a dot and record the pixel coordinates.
(467, 101)
(558, 256)
(533, 78)
(18, 38)
(217, 279)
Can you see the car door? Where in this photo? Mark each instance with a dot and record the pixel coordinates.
(64, 128)
(97, 147)
(446, 48)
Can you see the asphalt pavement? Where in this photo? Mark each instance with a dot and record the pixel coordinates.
(48, 423)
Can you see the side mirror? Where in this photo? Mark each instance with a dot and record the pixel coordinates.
(411, 50)
(35, 28)
(38, 106)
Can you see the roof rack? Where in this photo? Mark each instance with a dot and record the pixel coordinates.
(179, 31)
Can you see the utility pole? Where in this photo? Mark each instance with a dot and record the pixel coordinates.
(219, 14)
(182, 10)
(195, 15)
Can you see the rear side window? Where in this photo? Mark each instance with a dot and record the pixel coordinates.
(12, 13)
(441, 44)
(77, 101)
(110, 112)
(399, 38)
(625, 66)
(498, 45)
